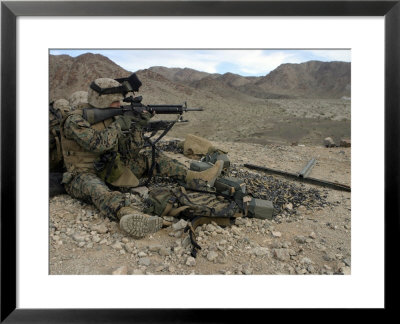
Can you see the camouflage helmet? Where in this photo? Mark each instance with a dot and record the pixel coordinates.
(78, 100)
(62, 106)
(103, 92)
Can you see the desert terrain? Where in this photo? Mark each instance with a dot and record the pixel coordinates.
(311, 230)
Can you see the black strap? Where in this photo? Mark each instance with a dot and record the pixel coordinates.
(101, 91)
(192, 235)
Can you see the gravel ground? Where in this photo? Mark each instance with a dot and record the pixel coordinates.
(310, 233)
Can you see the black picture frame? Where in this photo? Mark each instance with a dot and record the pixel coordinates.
(10, 10)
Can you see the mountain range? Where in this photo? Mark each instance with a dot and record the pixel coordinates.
(309, 80)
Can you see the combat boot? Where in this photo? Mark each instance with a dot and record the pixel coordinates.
(195, 179)
(136, 224)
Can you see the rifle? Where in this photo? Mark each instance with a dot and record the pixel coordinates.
(135, 108)
(95, 115)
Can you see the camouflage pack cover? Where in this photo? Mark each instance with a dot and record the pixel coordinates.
(189, 204)
(104, 100)
(62, 106)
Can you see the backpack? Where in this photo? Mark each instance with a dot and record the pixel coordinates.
(197, 207)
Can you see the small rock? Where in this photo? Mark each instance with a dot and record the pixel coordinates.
(117, 245)
(155, 248)
(347, 261)
(261, 251)
(305, 261)
(339, 256)
(144, 261)
(300, 239)
(164, 251)
(96, 239)
(125, 240)
(212, 255)
(101, 228)
(178, 234)
(129, 247)
(281, 254)
(276, 234)
(78, 238)
(142, 254)
(222, 242)
(121, 271)
(328, 142)
(210, 228)
(328, 257)
(235, 230)
(179, 225)
(313, 235)
(191, 261)
(160, 268)
(89, 245)
(310, 269)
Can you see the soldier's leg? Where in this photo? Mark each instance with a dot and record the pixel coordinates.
(92, 189)
(165, 166)
(113, 204)
(168, 167)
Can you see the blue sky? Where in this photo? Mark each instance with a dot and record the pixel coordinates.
(243, 62)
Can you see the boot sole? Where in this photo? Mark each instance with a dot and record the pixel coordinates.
(139, 226)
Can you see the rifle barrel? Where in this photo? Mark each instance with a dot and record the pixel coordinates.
(320, 182)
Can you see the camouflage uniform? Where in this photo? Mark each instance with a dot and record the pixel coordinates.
(86, 185)
(85, 145)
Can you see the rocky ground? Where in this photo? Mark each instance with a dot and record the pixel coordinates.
(308, 235)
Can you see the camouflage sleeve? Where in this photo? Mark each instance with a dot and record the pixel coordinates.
(79, 130)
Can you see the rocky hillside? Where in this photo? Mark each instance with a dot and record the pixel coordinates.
(310, 80)
(69, 74)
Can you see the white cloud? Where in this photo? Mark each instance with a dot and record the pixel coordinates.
(333, 55)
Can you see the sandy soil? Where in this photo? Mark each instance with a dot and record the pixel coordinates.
(298, 240)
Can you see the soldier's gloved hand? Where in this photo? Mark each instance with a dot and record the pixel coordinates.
(124, 122)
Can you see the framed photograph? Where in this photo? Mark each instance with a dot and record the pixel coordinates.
(242, 61)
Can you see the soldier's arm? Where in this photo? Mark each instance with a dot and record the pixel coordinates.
(78, 129)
